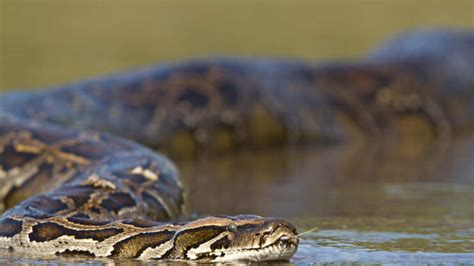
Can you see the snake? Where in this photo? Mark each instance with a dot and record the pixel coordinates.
(82, 165)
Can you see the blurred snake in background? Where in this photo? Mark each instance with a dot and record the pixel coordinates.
(76, 177)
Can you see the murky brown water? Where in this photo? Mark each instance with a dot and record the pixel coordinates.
(397, 204)
(371, 205)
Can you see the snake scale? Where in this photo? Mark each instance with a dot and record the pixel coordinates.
(75, 181)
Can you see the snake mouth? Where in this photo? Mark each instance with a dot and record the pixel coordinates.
(283, 248)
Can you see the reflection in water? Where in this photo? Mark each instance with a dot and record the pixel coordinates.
(388, 203)
(397, 204)
(360, 256)
(337, 181)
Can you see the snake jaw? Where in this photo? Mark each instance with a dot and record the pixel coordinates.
(283, 249)
(249, 239)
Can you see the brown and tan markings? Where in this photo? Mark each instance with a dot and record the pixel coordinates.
(43, 232)
(67, 187)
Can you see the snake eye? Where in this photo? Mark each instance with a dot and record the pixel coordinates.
(232, 227)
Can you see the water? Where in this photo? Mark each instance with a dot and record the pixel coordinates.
(392, 205)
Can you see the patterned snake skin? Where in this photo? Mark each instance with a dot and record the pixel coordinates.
(67, 187)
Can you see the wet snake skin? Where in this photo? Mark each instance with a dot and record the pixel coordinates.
(76, 177)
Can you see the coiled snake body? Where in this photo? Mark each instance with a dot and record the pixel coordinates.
(68, 189)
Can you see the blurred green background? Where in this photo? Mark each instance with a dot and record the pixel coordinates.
(46, 42)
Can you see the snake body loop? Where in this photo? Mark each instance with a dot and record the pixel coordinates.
(71, 182)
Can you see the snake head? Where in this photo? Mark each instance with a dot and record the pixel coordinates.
(236, 238)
